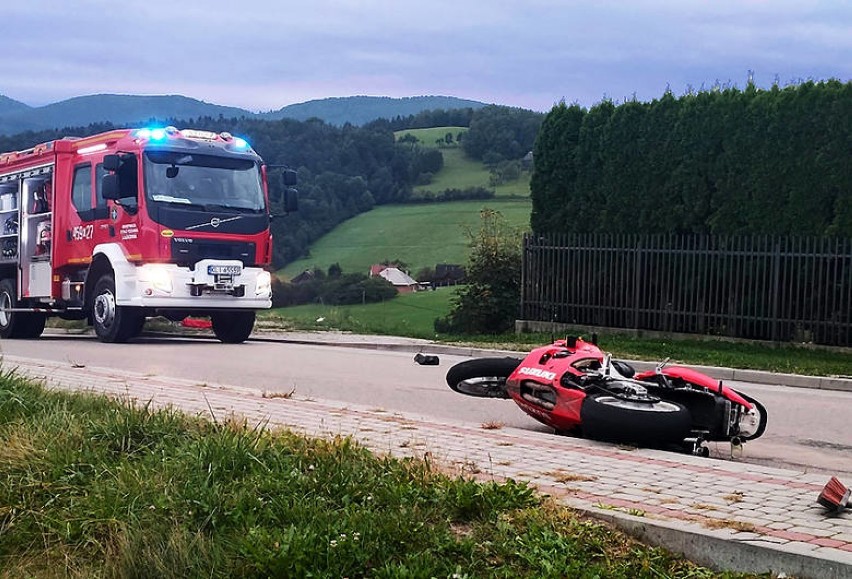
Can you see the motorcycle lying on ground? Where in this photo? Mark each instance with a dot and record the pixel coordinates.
(576, 388)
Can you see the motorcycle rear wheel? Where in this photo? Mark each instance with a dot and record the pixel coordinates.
(482, 377)
(612, 419)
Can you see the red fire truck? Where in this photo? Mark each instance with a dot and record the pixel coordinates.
(133, 223)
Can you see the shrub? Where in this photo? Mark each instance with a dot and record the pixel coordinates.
(489, 302)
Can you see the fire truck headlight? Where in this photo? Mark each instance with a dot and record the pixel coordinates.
(160, 279)
(264, 283)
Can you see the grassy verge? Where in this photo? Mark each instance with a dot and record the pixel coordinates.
(410, 315)
(94, 488)
(413, 315)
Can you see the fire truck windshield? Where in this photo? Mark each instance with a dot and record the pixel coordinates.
(205, 182)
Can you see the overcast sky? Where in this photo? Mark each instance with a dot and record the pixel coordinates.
(265, 54)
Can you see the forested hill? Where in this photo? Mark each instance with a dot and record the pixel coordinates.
(8, 105)
(17, 117)
(359, 110)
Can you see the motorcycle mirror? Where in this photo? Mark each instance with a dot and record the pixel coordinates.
(607, 364)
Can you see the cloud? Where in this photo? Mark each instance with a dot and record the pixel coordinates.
(263, 54)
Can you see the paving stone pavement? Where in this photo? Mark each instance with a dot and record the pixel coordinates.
(721, 513)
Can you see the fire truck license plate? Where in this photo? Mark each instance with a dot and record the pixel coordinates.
(224, 269)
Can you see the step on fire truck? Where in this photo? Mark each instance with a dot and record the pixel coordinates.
(133, 223)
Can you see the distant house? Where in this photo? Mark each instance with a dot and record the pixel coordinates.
(403, 282)
(448, 274)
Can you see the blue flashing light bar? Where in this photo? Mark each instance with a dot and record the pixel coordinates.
(157, 134)
(152, 133)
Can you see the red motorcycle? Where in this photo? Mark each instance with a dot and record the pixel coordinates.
(575, 388)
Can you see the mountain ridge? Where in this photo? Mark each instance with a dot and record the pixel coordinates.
(17, 117)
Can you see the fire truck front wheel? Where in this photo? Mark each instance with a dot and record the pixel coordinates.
(232, 327)
(27, 325)
(113, 323)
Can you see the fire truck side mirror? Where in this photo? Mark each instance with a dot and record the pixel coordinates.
(288, 177)
(109, 186)
(291, 200)
(112, 162)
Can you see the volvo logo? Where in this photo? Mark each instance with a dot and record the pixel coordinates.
(214, 223)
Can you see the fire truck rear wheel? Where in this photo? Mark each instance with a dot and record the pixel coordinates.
(113, 323)
(8, 300)
(233, 327)
(26, 325)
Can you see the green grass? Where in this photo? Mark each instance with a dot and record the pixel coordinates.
(419, 235)
(518, 188)
(410, 315)
(93, 488)
(459, 172)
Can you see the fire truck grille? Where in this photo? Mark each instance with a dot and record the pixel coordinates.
(187, 252)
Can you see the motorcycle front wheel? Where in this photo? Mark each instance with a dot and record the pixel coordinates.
(482, 377)
(607, 418)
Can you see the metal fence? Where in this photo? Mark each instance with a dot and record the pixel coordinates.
(757, 287)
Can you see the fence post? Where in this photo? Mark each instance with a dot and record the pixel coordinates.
(776, 275)
(637, 266)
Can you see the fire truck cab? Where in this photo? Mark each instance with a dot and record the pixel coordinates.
(133, 223)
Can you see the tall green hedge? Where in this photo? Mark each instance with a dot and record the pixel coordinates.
(752, 161)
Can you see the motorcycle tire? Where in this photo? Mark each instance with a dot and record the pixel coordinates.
(482, 377)
(607, 418)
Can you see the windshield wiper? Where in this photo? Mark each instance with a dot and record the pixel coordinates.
(229, 208)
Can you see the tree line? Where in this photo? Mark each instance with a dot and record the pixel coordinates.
(726, 161)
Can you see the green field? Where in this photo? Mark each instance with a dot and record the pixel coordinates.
(459, 172)
(406, 315)
(419, 235)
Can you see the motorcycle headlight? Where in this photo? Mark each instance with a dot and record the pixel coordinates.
(264, 283)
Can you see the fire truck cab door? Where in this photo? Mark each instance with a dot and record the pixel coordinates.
(92, 220)
(78, 222)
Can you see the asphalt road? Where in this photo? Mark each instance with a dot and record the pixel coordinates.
(808, 429)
